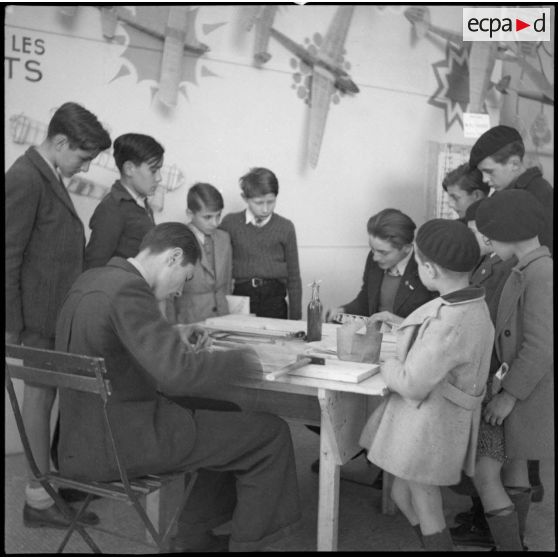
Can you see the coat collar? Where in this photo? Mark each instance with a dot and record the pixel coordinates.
(523, 180)
(431, 309)
(540, 252)
(124, 264)
(55, 184)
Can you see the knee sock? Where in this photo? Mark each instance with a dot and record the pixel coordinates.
(533, 468)
(438, 542)
(419, 533)
(38, 498)
(505, 529)
(521, 499)
(479, 520)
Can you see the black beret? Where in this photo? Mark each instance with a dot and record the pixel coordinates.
(448, 243)
(491, 141)
(510, 216)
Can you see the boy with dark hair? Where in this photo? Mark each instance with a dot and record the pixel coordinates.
(245, 460)
(123, 217)
(205, 295)
(498, 154)
(265, 252)
(464, 186)
(44, 255)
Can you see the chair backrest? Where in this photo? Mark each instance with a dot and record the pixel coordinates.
(57, 369)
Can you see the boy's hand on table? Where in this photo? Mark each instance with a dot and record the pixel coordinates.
(499, 407)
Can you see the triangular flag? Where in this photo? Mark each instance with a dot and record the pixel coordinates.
(519, 24)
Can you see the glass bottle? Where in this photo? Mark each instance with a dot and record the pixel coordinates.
(314, 315)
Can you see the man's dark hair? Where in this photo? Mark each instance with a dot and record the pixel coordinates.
(259, 182)
(467, 179)
(503, 154)
(392, 225)
(80, 126)
(172, 235)
(137, 148)
(202, 195)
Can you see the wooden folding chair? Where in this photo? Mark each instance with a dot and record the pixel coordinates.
(88, 374)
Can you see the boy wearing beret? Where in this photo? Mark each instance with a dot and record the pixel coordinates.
(498, 154)
(522, 400)
(425, 432)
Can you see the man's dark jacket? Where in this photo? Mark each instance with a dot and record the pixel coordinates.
(410, 294)
(111, 312)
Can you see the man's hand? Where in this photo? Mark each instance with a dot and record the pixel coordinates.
(386, 317)
(499, 407)
(12, 338)
(332, 313)
(194, 337)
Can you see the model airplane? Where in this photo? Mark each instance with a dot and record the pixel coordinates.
(327, 74)
(482, 57)
(122, 14)
(262, 18)
(503, 86)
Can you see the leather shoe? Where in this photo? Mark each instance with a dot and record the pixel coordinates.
(71, 495)
(211, 543)
(53, 517)
(471, 535)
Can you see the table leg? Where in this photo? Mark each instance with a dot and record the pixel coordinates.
(342, 417)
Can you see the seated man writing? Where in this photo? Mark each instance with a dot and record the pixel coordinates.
(246, 459)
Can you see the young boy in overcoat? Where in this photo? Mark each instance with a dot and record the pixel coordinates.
(425, 433)
(523, 401)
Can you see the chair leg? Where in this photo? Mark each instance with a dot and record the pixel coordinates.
(75, 526)
(178, 509)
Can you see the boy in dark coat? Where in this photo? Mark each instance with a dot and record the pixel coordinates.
(124, 216)
(44, 255)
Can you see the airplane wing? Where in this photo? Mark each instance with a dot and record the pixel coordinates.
(482, 57)
(334, 40)
(109, 19)
(322, 89)
(264, 22)
(173, 49)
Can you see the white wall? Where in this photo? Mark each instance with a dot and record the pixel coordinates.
(374, 153)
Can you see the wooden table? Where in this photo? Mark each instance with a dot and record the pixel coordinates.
(339, 408)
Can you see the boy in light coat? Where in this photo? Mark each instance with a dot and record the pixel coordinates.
(425, 433)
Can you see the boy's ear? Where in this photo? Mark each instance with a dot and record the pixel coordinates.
(431, 269)
(243, 196)
(189, 213)
(175, 255)
(127, 168)
(59, 141)
(515, 162)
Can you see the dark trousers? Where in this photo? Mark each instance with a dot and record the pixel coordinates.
(247, 472)
(267, 300)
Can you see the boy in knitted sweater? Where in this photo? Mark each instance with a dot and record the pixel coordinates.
(265, 253)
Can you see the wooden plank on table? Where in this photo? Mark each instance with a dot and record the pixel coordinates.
(338, 370)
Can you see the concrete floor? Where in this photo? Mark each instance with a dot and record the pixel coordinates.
(362, 528)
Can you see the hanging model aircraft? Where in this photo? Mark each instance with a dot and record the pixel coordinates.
(482, 57)
(504, 86)
(327, 74)
(262, 18)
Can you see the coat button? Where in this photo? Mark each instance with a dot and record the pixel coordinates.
(215, 309)
(507, 333)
